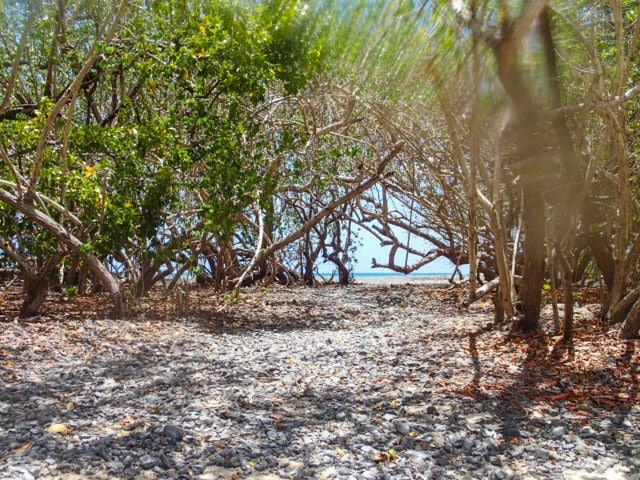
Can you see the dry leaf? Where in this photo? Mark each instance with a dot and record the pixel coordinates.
(381, 457)
(57, 428)
(20, 449)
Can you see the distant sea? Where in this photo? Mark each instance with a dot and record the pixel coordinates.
(393, 274)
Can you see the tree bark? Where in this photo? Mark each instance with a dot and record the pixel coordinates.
(533, 162)
(631, 325)
(328, 209)
(74, 244)
(344, 276)
(36, 288)
(35, 277)
(533, 261)
(567, 290)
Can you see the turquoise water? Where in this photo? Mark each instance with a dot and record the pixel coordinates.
(393, 274)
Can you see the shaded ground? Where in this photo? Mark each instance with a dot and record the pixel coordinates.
(310, 383)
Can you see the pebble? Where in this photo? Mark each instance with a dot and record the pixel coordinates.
(401, 427)
(357, 383)
(147, 462)
(173, 433)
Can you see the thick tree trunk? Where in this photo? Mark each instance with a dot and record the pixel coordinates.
(74, 244)
(36, 278)
(534, 260)
(344, 276)
(619, 312)
(532, 166)
(631, 325)
(603, 257)
(36, 288)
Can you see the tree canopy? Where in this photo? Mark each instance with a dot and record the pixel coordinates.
(245, 141)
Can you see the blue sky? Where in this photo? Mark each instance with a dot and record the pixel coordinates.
(371, 249)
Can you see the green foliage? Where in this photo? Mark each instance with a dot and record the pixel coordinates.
(161, 135)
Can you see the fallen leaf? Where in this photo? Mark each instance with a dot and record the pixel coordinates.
(127, 421)
(340, 452)
(381, 457)
(20, 449)
(57, 428)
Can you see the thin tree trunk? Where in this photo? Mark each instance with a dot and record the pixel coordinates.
(552, 281)
(567, 288)
(328, 209)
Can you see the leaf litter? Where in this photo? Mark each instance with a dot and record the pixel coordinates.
(371, 379)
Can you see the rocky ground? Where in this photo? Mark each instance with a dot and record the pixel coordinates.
(365, 382)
